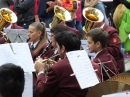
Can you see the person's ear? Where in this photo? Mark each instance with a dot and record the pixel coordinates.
(63, 49)
(39, 33)
(98, 44)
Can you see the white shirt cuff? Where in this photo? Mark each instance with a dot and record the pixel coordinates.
(41, 72)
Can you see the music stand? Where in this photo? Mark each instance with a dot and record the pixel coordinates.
(17, 35)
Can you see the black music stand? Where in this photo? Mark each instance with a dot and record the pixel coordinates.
(17, 35)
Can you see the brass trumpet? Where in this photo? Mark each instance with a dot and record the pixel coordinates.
(49, 62)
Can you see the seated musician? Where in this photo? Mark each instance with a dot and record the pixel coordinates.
(58, 82)
(38, 41)
(58, 29)
(97, 42)
(114, 44)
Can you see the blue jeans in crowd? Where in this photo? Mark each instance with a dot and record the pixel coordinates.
(101, 7)
(47, 21)
(71, 23)
(79, 27)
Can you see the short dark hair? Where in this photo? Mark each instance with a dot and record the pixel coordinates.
(68, 39)
(99, 34)
(11, 80)
(58, 28)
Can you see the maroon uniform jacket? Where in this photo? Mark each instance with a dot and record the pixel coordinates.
(2, 41)
(114, 47)
(47, 54)
(14, 26)
(59, 83)
(108, 61)
(35, 55)
(74, 30)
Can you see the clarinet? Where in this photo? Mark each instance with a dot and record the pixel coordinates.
(45, 50)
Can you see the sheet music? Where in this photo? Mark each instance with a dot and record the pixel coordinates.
(121, 94)
(28, 88)
(82, 68)
(23, 56)
(6, 55)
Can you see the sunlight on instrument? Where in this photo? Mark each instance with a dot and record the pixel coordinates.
(49, 62)
(91, 15)
(6, 16)
(61, 14)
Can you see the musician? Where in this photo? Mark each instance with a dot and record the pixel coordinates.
(58, 29)
(113, 45)
(58, 82)
(97, 42)
(12, 80)
(38, 41)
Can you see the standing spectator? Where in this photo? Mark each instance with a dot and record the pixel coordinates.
(36, 11)
(25, 13)
(45, 11)
(11, 80)
(78, 24)
(6, 3)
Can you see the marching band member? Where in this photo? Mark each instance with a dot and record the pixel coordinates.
(38, 41)
(58, 29)
(113, 45)
(97, 42)
(58, 82)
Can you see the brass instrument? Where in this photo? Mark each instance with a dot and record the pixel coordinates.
(91, 15)
(6, 16)
(49, 62)
(61, 14)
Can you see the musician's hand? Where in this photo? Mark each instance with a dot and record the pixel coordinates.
(39, 66)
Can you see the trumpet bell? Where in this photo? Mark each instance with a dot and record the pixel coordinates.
(91, 15)
(61, 14)
(6, 15)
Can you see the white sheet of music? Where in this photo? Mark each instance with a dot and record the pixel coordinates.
(121, 94)
(28, 87)
(6, 55)
(82, 68)
(23, 56)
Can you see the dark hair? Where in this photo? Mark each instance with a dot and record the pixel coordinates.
(68, 39)
(11, 80)
(99, 34)
(58, 28)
